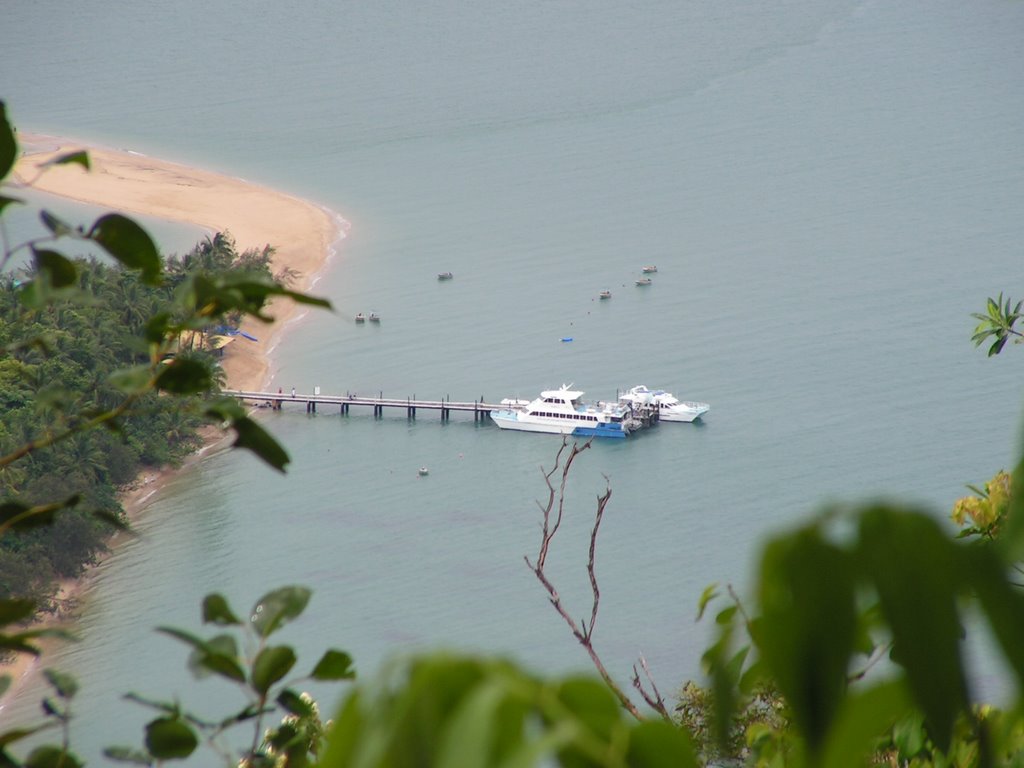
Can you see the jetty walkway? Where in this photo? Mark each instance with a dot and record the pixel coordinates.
(278, 400)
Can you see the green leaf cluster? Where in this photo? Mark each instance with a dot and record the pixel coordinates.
(243, 656)
(997, 323)
(462, 712)
(104, 370)
(838, 595)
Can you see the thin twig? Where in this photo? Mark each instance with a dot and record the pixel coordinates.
(582, 634)
(602, 501)
(653, 699)
(879, 653)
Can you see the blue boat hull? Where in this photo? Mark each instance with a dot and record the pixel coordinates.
(599, 431)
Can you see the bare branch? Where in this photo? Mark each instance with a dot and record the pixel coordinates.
(582, 633)
(653, 698)
(602, 501)
(548, 530)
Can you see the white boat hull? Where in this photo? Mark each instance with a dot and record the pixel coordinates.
(563, 412)
(668, 407)
(685, 412)
(520, 422)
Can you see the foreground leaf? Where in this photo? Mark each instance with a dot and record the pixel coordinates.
(71, 158)
(184, 376)
(914, 567)
(251, 435)
(8, 146)
(657, 744)
(276, 608)
(55, 224)
(128, 755)
(808, 657)
(217, 611)
(64, 684)
(334, 665)
(270, 666)
(170, 738)
(58, 269)
(5, 201)
(129, 243)
(51, 757)
(13, 610)
(862, 720)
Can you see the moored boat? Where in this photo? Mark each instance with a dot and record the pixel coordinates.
(604, 295)
(649, 269)
(643, 281)
(669, 408)
(563, 412)
(360, 317)
(374, 317)
(445, 275)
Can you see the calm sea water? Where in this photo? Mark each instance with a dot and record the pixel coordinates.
(828, 190)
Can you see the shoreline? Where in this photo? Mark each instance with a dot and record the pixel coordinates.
(303, 234)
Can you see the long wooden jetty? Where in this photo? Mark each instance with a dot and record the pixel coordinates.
(278, 400)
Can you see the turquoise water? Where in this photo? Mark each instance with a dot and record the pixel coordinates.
(828, 190)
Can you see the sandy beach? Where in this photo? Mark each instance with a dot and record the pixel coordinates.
(301, 233)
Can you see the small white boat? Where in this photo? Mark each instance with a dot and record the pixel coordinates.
(668, 406)
(374, 317)
(563, 412)
(423, 471)
(644, 281)
(649, 269)
(445, 275)
(360, 317)
(604, 295)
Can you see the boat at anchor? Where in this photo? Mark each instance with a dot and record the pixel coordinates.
(669, 408)
(562, 411)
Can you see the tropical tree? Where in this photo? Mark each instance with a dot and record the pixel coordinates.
(52, 511)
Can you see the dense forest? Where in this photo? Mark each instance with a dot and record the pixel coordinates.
(89, 331)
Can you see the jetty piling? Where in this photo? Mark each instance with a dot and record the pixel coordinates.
(480, 409)
(445, 406)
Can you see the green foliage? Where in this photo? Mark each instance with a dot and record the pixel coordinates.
(244, 658)
(752, 728)
(460, 712)
(114, 345)
(102, 344)
(984, 513)
(86, 344)
(997, 323)
(8, 146)
(809, 656)
(129, 243)
(851, 589)
(57, 711)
